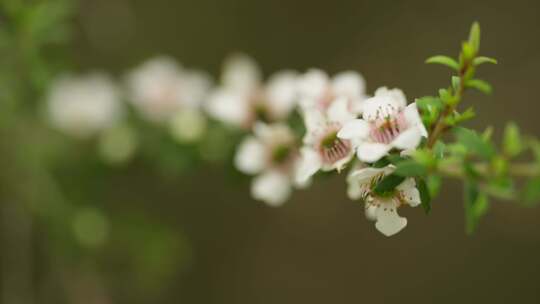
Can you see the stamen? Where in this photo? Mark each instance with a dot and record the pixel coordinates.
(333, 149)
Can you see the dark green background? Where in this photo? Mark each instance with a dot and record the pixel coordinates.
(319, 248)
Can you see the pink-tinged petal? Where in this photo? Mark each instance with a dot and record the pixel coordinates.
(408, 139)
(310, 163)
(354, 129)
(388, 221)
(251, 156)
(413, 118)
(339, 111)
(370, 152)
(273, 188)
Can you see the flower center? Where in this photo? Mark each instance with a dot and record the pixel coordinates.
(333, 148)
(281, 154)
(385, 130)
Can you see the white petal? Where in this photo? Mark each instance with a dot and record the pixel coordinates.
(395, 94)
(314, 120)
(229, 107)
(241, 73)
(354, 191)
(281, 93)
(313, 84)
(357, 128)
(380, 106)
(271, 134)
(339, 111)
(388, 221)
(408, 139)
(349, 84)
(413, 118)
(251, 156)
(371, 212)
(409, 192)
(370, 152)
(309, 165)
(84, 105)
(195, 88)
(274, 188)
(364, 175)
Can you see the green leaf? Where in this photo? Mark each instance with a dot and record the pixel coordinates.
(429, 107)
(474, 37)
(438, 149)
(479, 85)
(425, 196)
(410, 168)
(476, 205)
(488, 132)
(434, 183)
(456, 82)
(467, 51)
(427, 103)
(381, 163)
(475, 143)
(482, 59)
(444, 60)
(388, 184)
(531, 192)
(512, 143)
(458, 118)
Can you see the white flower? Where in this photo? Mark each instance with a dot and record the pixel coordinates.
(318, 91)
(382, 209)
(243, 99)
(322, 149)
(388, 123)
(81, 106)
(160, 88)
(271, 154)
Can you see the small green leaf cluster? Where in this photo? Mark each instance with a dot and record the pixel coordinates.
(442, 110)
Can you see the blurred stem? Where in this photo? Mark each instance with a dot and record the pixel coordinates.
(523, 169)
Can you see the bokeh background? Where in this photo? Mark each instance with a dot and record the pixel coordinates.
(194, 235)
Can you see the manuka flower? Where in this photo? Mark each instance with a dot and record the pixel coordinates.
(271, 154)
(318, 91)
(160, 89)
(242, 99)
(85, 105)
(388, 123)
(323, 149)
(382, 208)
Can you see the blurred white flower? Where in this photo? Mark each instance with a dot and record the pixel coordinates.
(317, 90)
(188, 125)
(160, 88)
(387, 123)
(242, 99)
(322, 149)
(382, 209)
(118, 144)
(83, 105)
(271, 154)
